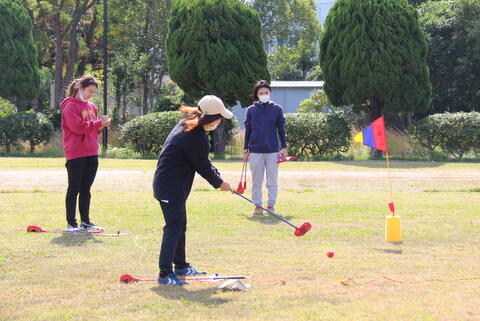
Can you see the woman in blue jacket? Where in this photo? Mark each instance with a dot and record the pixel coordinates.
(264, 140)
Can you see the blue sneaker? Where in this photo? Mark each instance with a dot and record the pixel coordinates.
(188, 271)
(171, 279)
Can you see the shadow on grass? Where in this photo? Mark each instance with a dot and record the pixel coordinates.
(390, 251)
(204, 296)
(74, 240)
(265, 218)
(381, 163)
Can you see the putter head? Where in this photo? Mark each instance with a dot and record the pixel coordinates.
(240, 188)
(35, 229)
(127, 278)
(303, 229)
(282, 159)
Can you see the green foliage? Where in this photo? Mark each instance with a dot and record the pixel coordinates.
(290, 28)
(122, 153)
(283, 64)
(19, 75)
(451, 134)
(315, 135)
(6, 108)
(146, 134)
(453, 30)
(35, 128)
(215, 47)
(373, 52)
(317, 101)
(170, 98)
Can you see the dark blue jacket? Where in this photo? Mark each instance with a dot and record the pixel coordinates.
(182, 155)
(264, 126)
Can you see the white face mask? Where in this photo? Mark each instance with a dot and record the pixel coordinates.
(264, 98)
(212, 127)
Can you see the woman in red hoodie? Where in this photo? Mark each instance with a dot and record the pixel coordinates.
(80, 129)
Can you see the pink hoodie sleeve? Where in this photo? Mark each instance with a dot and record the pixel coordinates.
(76, 124)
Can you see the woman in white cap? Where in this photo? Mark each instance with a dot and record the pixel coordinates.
(185, 152)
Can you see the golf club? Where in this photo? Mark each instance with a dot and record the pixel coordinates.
(242, 185)
(299, 230)
(38, 229)
(128, 278)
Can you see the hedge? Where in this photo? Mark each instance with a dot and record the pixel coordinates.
(315, 135)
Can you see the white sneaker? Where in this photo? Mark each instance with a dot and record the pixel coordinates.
(91, 227)
(73, 228)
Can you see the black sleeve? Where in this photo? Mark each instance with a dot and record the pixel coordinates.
(281, 127)
(248, 129)
(197, 153)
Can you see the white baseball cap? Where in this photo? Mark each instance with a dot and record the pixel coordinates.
(212, 105)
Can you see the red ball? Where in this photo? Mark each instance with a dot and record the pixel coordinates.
(330, 254)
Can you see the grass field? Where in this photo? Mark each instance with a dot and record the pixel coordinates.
(434, 274)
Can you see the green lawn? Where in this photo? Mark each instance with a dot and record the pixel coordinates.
(60, 277)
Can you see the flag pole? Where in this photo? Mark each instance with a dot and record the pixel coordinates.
(390, 180)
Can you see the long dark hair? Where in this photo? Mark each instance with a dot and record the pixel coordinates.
(194, 119)
(83, 81)
(260, 84)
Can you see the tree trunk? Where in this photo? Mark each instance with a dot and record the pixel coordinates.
(124, 109)
(32, 148)
(58, 92)
(90, 58)
(73, 47)
(409, 120)
(35, 104)
(7, 148)
(219, 141)
(145, 95)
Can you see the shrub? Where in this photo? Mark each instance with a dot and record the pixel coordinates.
(314, 135)
(6, 108)
(33, 127)
(146, 134)
(452, 134)
(25, 126)
(317, 101)
(122, 153)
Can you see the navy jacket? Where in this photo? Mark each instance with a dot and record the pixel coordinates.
(182, 155)
(264, 126)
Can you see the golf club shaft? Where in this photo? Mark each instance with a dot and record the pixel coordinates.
(213, 278)
(269, 212)
(199, 278)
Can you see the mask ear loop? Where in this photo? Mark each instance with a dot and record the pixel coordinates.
(80, 94)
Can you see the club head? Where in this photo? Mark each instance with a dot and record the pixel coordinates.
(303, 229)
(240, 188)
(127, 278)
(34, 229)
(283, 159)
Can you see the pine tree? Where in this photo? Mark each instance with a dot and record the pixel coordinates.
(373, 53)
(215, 47)
(19, 75)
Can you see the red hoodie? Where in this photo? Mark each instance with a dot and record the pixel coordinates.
(80, 128)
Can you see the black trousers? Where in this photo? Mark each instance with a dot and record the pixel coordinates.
(81, 174)
(172, 249)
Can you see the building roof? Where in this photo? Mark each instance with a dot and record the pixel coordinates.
(296, 84)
